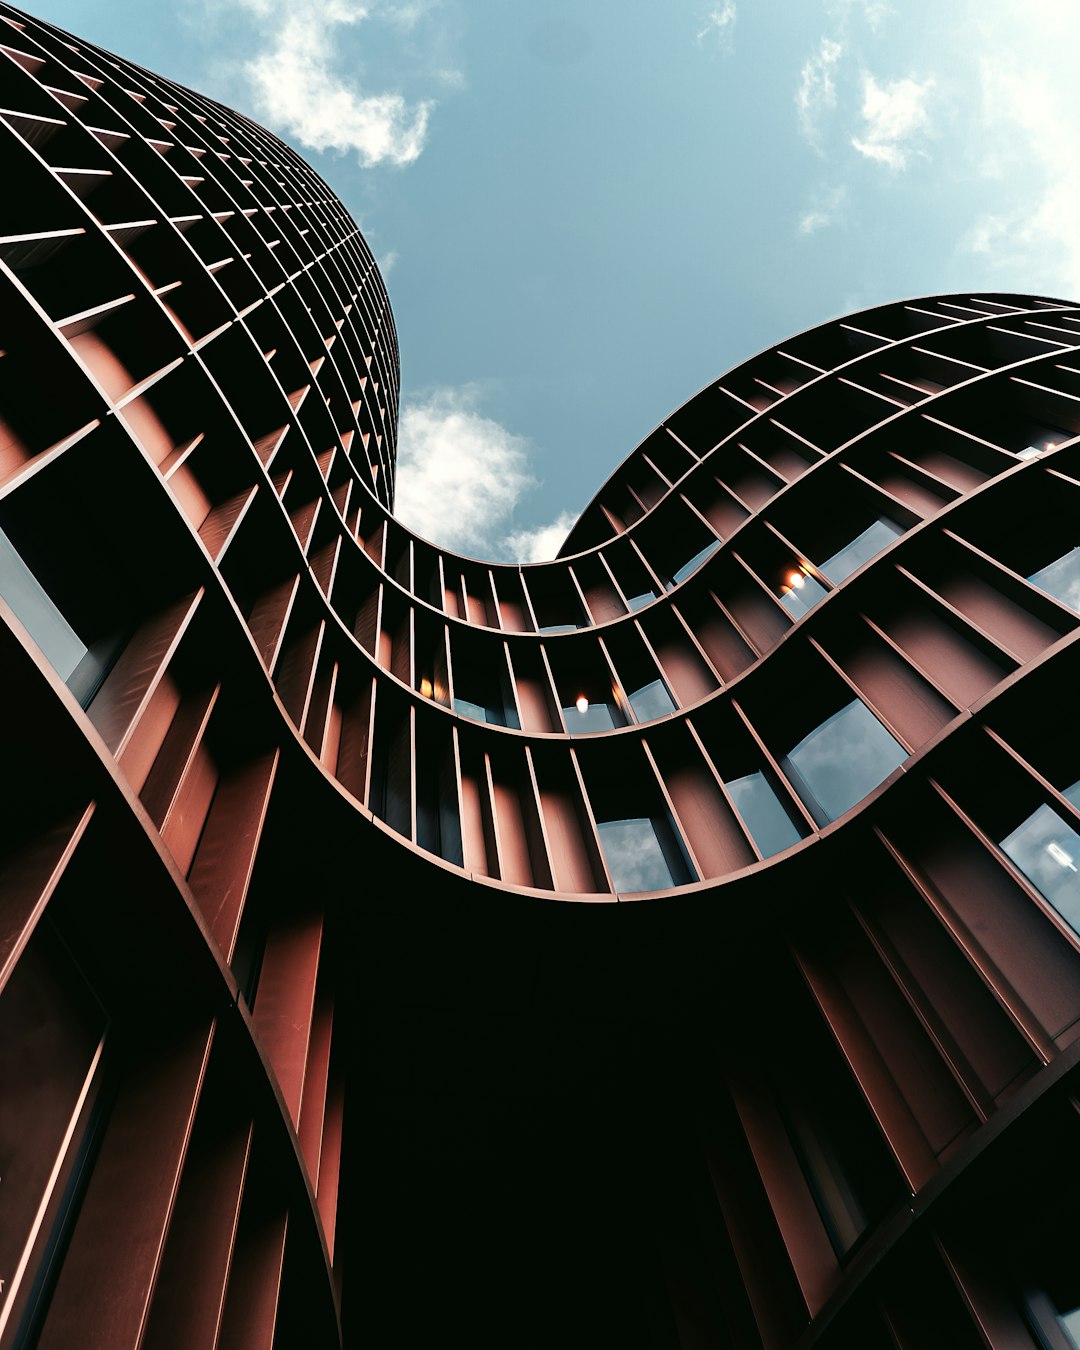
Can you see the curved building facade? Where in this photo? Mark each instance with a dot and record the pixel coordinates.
(675, 945)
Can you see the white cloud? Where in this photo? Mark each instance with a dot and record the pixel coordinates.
(1030, 127)
(893, 114)
(828, 206)
(387, 263)
(817, 87)
(459, 474)
(541, 543)
(720, 23)
(303, 86)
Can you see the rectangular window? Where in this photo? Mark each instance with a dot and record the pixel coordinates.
(651, 701)
(862, 548)
(588, 715)
(1061, 579)
(841, 761)
(692, 564)
(640, 601)
(38, 614)
(763, 814)
(800, 592)
(1047, 851)
(644, 854)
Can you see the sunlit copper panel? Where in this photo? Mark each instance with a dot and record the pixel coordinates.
(673, 946)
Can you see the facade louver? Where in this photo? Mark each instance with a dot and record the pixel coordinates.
(673, 946)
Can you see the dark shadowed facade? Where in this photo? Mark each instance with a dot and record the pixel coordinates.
(670, 947)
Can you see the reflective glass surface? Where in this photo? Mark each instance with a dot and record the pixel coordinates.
(651, 700)
(1070, 1324)
(763, 814)
(37, 613)
(802, 594)
(640, 601)
(1061, 579)
(635, 855)
(842, 760)
(1047, 851)
(692, 564)
(477, 712)
(596, 717)
(862, 548)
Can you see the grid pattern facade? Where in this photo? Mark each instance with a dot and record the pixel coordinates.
(716, 882)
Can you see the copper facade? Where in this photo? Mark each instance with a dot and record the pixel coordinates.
(673, 945)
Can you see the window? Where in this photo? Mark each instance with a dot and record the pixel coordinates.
(862, 548)
(651, 701)
(644, 854)
(587, 715)
(692, 564)
(1061, 579)
(763, 814)
(640, 601)
(1047, 851)
(37, 613)
(841, 761)
(81, 669)
(800, 592)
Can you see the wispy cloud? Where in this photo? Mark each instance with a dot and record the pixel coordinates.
(459, 474)
(828, 206)
(816, 93)
(538, 544)
(893, 116)
(719, 25)
(1030, 133)
(303, 85)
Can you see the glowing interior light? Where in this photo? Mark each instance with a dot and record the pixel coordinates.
(796, 579)
(1060, 856)
(581, 703)
(425, 687)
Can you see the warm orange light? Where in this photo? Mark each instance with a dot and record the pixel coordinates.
(795, 579)
(582, 704)
(425, 687)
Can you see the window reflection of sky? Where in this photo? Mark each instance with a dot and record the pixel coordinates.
(634, 856)
(803, 595)
(1061, 579)
(596, 717)
(842, 760)
(651, 701)
(37, 613)
(770, 826)
(692, 564)
(1047, 851)
(862, 548)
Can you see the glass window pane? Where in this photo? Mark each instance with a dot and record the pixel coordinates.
(37, 613)
(763, 814)
(1072, 795)
(596, 717)
(801, 594)
(651, 700)
(471, 710)
(1070, 1324)
(842, 760)
(1047, 851)
(640, 601)
(643, 854)
(692, 564)
(861, 549)
(1061, 579)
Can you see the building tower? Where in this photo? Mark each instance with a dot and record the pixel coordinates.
(673, 946)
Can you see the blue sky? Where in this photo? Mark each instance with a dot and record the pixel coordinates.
(586, 211)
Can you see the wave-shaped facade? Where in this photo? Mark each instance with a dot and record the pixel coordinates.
(671, 945)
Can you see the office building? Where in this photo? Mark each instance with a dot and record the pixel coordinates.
(673, 946)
